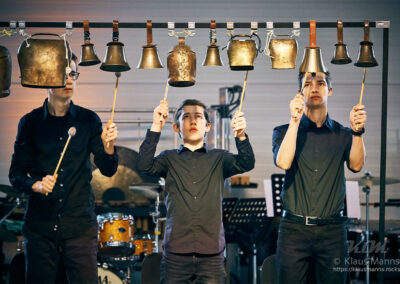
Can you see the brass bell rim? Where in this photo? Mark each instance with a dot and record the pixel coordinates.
(89, 63)
(114, 68)
(242, 68)
(341, 61)
(366, 64)
(181, 83)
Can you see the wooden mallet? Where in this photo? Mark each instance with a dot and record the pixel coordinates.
(242, 95)
(71, 133)
(165, 98)
(117, 74)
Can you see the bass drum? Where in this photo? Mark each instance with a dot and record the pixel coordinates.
(106, 276)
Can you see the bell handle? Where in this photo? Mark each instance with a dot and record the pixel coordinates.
(48, 34)
(181, 40)
(86, 26)
(313, 34)
(149, 28)
(213, 26)
(258, 48)
(115, 31)
(366, 30)
(86, 32)
(340, 31)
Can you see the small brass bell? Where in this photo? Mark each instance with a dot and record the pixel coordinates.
(88, 54)
(212, 57)
(366, 56)
(312, 60)
(115, 60)
(5, 72)
(340, 56)
(242, 52)
(149, 58)
(181, 63)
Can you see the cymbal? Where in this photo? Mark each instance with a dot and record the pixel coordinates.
(9, 190)
(371, 180)
(150, 190)
(116, 188)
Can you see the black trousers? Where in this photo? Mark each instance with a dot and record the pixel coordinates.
(301, 247)
(42, 255)
(177, 269)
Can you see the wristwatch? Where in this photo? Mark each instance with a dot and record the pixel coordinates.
(358, 133)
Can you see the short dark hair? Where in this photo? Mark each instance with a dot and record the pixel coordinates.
(75, 59)
(190, 102)
(327, 74)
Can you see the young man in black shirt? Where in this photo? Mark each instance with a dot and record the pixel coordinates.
(60, 221)
(312, 149)
(194, 179)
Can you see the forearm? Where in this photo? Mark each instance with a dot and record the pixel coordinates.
(287, 148)
(357, 154)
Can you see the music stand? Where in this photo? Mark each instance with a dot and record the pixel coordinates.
(246, 222)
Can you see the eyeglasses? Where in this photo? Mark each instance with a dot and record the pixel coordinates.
(73, 75)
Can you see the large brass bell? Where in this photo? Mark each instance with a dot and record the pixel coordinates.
(366, 56)
(149, 58)
(181, 63)
(242, 52)
(312, 60)
(212, 57)
(114, 59)
(88, 53)
(5, 72)
(283, 52)
(340, 56)
(44, 63)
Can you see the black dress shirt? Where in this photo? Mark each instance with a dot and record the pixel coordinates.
(40, 140)
(315, 185)
(194, 183)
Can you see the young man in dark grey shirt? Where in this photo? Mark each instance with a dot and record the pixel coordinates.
(312, 149)
(194, 179)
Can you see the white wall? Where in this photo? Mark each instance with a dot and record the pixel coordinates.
(268, 91)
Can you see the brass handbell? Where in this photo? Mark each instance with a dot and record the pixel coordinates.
(181, 64)
(115, 60)
(340, 56)
(212, 57)
(312, 60)
(88, 54)
(5, 72)
(366, 56)
(149, 58)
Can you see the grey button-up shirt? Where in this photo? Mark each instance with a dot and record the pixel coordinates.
(194, 183)
(315, 184)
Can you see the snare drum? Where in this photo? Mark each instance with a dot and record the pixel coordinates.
(115, 234)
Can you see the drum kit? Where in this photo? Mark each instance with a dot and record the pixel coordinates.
(124, 238)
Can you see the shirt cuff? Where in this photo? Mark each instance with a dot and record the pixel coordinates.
(242, 144)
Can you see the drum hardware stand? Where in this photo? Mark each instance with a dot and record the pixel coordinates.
(17, 203)
(156, 219)
(366, 189)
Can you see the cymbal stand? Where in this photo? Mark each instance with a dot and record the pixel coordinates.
(156, 216)
(366, 189)
(17, 203)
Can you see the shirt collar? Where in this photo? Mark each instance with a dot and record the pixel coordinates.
(72, 109)
(307, 123)
(203, 149)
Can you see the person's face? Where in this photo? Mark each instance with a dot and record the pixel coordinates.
(316, 90)
(68, 91)
(192, 124)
